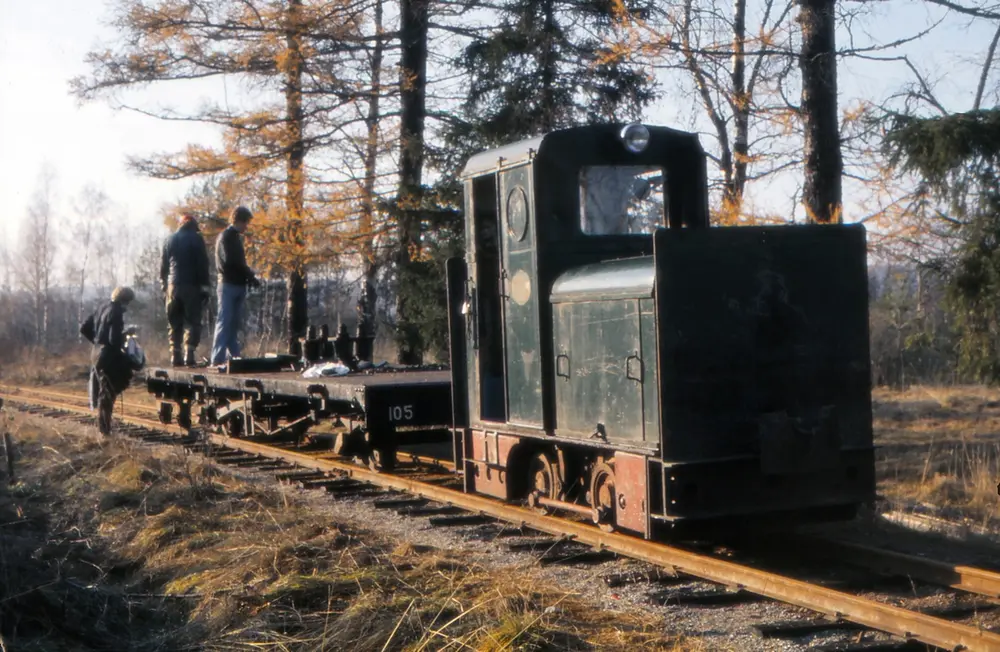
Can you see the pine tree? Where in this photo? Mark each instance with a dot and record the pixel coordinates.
(547, 65)
(958, 158)
(289, 54)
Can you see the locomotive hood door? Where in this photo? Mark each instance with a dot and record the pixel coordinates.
(519, 287)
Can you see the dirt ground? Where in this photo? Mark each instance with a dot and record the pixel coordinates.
(108, 545)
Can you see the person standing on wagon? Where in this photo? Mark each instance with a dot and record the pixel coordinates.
(234, 277)
(185, 283)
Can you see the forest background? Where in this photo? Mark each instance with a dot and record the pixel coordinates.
(344, 125)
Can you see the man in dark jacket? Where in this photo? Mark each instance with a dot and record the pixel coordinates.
(234, 276)
(112, 368)
(184, 280)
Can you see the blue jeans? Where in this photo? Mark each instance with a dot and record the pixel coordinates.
(232, 299)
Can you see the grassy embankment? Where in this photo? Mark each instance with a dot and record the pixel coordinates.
(105, 545)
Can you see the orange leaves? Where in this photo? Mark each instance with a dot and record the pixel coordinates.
(730, 213)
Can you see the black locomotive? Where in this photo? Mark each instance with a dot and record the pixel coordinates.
(611, 353)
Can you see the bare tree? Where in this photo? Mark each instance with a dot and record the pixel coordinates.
(38, 251)
(6, 268)
(90, 209)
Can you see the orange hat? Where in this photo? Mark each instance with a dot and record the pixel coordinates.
(185, 218)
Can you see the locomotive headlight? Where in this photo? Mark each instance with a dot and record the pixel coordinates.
(635, 137)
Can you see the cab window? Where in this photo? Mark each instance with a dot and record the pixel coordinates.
(622, 199)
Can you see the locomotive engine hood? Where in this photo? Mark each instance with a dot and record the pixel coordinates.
(629, 278)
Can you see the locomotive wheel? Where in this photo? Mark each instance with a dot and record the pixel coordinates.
(543, 480)
(602, 495)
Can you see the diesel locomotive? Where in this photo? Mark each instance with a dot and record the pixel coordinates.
(612, 354)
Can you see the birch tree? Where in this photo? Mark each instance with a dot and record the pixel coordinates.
(37, 256)
(90, 211)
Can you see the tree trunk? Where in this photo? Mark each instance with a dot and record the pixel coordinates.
(413, 81)
(367, 301)
(733, 192)
(298, 309)
(823, 164)
(548, 68)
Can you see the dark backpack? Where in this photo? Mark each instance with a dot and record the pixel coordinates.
(88, 330)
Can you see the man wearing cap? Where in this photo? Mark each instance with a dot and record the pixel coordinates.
(184, 281)
(112, 368)
(234, 277)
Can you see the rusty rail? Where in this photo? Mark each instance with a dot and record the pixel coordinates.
(889, 562)
(901, 622)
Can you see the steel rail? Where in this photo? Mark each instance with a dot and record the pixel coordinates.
(890, 562)
(415, 458)
(12, 391)
(904, 623)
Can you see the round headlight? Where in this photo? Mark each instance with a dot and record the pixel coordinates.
(635, 137)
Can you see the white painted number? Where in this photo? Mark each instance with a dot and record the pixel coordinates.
(401, 413)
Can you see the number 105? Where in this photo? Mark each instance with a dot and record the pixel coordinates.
(400, 413)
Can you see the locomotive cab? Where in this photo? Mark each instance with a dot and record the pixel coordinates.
(540, 207)
(613, 355)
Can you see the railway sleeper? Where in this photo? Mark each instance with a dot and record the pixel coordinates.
(704, 598)
(300, 476)
(396, 503)
(460, 520)
(795, 628)
(321, 483)
(443, 510)
(581, 557)
(534, 544)
(655, 576)
(885, 645)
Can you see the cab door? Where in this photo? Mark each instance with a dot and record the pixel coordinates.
(483, 309)
(519, 277)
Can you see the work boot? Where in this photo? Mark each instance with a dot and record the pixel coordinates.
(176, 359)
(189, 357)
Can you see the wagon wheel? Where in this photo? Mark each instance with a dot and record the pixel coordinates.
(543, 480)
(382, 459)
(233, 425)
(602, 495)
(184, 415)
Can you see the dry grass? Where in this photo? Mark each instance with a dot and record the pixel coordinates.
(37, 366)
(940, 447)
(108, 546)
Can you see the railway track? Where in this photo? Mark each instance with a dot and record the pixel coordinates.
(429, 481)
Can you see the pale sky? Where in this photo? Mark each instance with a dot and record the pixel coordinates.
(42, 46)
(43, 43)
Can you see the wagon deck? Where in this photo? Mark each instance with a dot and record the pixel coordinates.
(387, 398)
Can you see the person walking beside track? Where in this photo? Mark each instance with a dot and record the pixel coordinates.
(112, 368)
(185, 283)
(234, 277)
